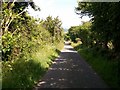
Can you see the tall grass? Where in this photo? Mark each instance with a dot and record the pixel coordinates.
(28, 70)
(106, 68)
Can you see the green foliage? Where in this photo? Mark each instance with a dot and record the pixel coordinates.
(27, 70)
(7, 45)
(66, 37)
(105, 25)
(54, 27)
(107, 69)
(28, 48)
(82, 32)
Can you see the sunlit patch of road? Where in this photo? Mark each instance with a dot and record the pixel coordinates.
(68, 48)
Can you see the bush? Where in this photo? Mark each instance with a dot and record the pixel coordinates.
(28, 49)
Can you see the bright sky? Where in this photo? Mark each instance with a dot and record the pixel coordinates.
(65, 9)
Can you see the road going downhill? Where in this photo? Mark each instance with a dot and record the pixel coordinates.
(69, 70)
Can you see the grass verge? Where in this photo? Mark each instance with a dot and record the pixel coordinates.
(28, 70)
(107, 69)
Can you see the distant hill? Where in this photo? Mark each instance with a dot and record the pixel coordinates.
(65, 30)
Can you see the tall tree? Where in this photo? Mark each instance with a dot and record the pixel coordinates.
(13, 9)
(13, 15)
(53, 25)
(105, 23)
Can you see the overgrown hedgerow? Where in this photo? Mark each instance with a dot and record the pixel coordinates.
(29, 46)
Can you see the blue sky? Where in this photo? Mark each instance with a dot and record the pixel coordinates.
(62, 8)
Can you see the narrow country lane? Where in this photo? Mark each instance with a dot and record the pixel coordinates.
(69, 70)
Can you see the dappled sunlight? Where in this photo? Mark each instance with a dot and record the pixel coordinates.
(63, 71)
(69, 70)
(68, 51)
(54, 82)
(42, 82)
(59, 61)
(66, 69)
(68, 48)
